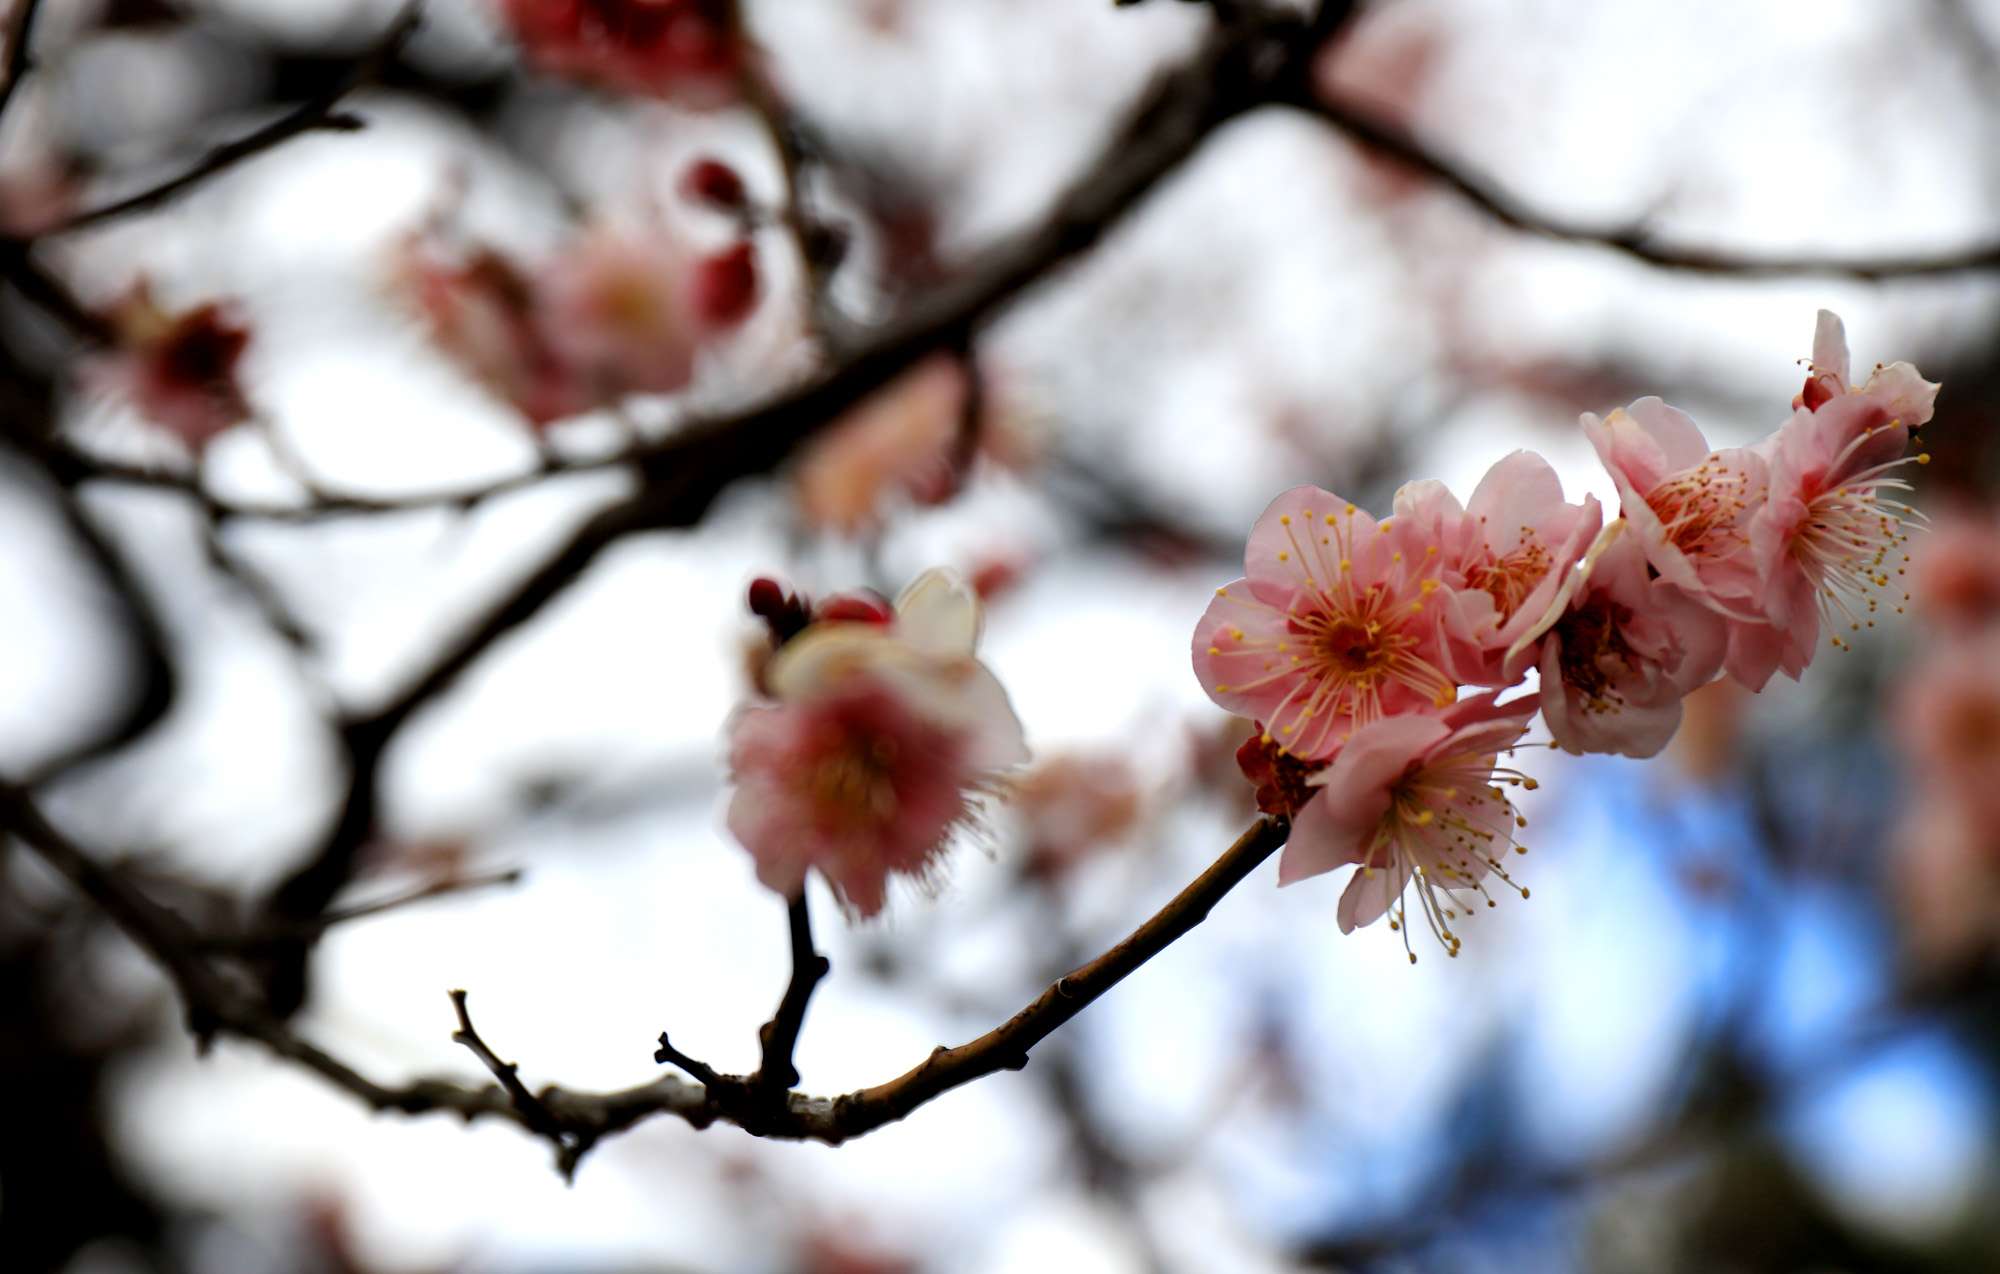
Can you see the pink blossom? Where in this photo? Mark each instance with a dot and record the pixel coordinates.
(1506, 555)
(688, 51)
(879, 739)
(483, 311)
(895, 443)
(1619, 649)
(1414, 797)
(178, 370)
(1689, 506)
(1828, 536)
(1955, 568)
(628, 308)
(1947, 715)
(1332, 627)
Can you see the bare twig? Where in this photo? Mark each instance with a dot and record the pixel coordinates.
(313, 926)
(574, 1122)
(317, 114)
(530, 1108)
(1637, 241)
(780, 1036)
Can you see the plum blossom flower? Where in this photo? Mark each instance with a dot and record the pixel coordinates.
(1691, 509)
(1948, 717)
(1830, 531)
(1506, 553)
(1415, 798)
(484, 312)
(1331, 628)
(1955, 569)
(688, 51)
(1619, 649)
(898, 441)
(627, 308)
(179, 370)
(883, 731)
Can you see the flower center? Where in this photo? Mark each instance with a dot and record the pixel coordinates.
(1843, 544)
(1699, 509)
(1509, 579)
(1587, 635)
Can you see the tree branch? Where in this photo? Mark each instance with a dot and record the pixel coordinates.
(1638, 241)
(780, 1036)
(573, 1122)
(316, 114)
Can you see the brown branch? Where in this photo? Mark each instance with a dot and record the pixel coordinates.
(1241, 66)
(530, 1108)
(316, 114)
(574, 1122)
(780, 1036)
(1639, 241)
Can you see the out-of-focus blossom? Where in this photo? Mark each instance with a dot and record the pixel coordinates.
(1948, 717)
(621, 310)
(1619, 649)
(1955, 569)
(1071, 806)
(37, 197)
(880, 738)
(180, 370)
(690, 52)
(1414, 797)
(1827, 535)
(483, 312)
(1331, 628)
(1506, 553)
(715, 185)
(897, 442)
(627, 308)
(1946, 882)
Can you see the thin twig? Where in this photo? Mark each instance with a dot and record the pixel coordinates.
(780, 1036)
(317, 114)
(533, 1113)
(1639, 242)
(313, 926)
(573, 1122)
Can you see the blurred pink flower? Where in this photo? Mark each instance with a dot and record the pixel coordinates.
(1826, 535)
(627, 308)
(1947, 713)
(880, 737)
(1955, 568)
(896, 442)
(178, 370)
(1330, 629)
(1619, 649)
(1070, 807)
(484, 313)
(1506, 553)
(1414, 797)
(690, 52)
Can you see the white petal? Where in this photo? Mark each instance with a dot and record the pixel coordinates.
(938, 615)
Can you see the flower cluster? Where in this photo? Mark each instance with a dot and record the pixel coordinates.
(879, 731)
(1373, 655)
(622, 310)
